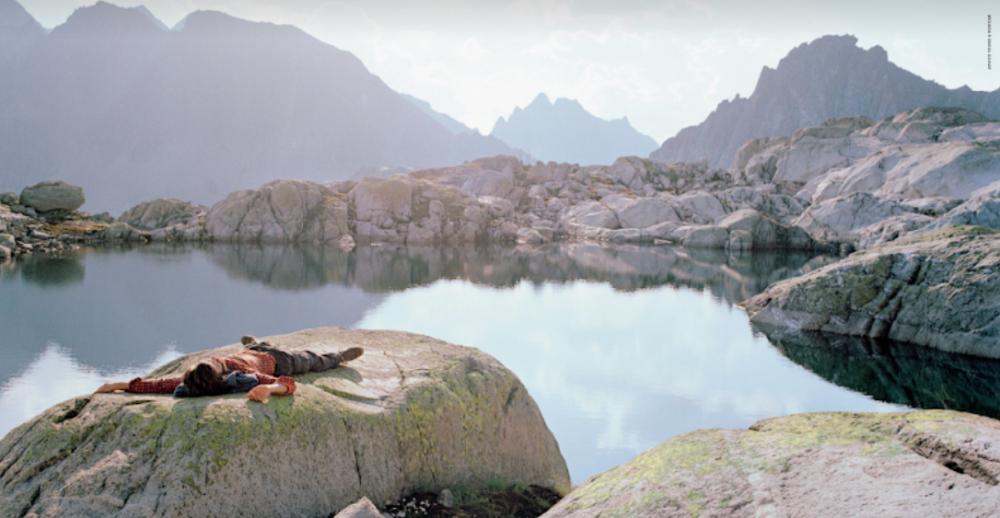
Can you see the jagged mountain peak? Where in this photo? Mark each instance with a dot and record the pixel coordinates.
(828, 77)
(542, 99)
(13, 14)
(103, 18)
(562, 130)
(207, 20)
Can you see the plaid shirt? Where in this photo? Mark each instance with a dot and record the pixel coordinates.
(251, 362)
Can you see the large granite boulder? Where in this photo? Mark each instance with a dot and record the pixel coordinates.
(926, 463)
(936, 289)
(412, 414)
(591, 214)
(280, 211)
(52, 196)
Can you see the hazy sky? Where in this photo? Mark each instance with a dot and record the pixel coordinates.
(664, 64)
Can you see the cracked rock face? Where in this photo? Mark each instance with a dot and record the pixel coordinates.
(926, 463)
(280, 211)
(412, 413)
(934, 289)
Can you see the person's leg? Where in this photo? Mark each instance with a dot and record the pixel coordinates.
(290, 363)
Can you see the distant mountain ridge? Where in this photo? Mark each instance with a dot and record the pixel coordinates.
(112, 97)
(19, 31)
(449, 123)
(828, 77)
(563, 131)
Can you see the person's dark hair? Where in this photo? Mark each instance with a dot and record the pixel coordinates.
(205, 379)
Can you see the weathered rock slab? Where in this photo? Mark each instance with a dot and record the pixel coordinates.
(412, 413)
(926, 463)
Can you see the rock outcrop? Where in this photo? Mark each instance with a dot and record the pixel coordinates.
(280, 211)
(850, 182)
(412, 414)
(167, 219)
(934, 289)
(925, 463)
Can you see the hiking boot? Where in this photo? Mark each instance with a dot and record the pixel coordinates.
(351, 354)
(247, 341)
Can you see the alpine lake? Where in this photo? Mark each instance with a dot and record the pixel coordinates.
(621, 347)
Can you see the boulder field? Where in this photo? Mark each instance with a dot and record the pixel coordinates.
(924, 463)
(849, 182)
(412, 414)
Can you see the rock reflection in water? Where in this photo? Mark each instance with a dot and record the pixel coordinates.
(627, 268)
(51, 271)
(914, 376)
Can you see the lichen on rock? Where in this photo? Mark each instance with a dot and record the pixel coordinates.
(925, 463)
(935, 289)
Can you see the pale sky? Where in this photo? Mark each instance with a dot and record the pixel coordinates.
(663, 64)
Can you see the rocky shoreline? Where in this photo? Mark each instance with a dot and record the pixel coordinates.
(850, 184)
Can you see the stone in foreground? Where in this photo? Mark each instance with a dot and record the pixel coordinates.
(926, 463)
(936, 289)
(363, 508)
(412, 414)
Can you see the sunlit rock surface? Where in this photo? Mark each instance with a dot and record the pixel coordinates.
(412, 413)
(926, 463)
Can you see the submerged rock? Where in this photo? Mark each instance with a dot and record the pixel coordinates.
(933, 289)
(926, 463)
(412, 414)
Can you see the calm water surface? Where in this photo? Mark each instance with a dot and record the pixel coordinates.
(621, 347)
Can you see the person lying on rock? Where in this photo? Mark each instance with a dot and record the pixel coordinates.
(261, 370)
